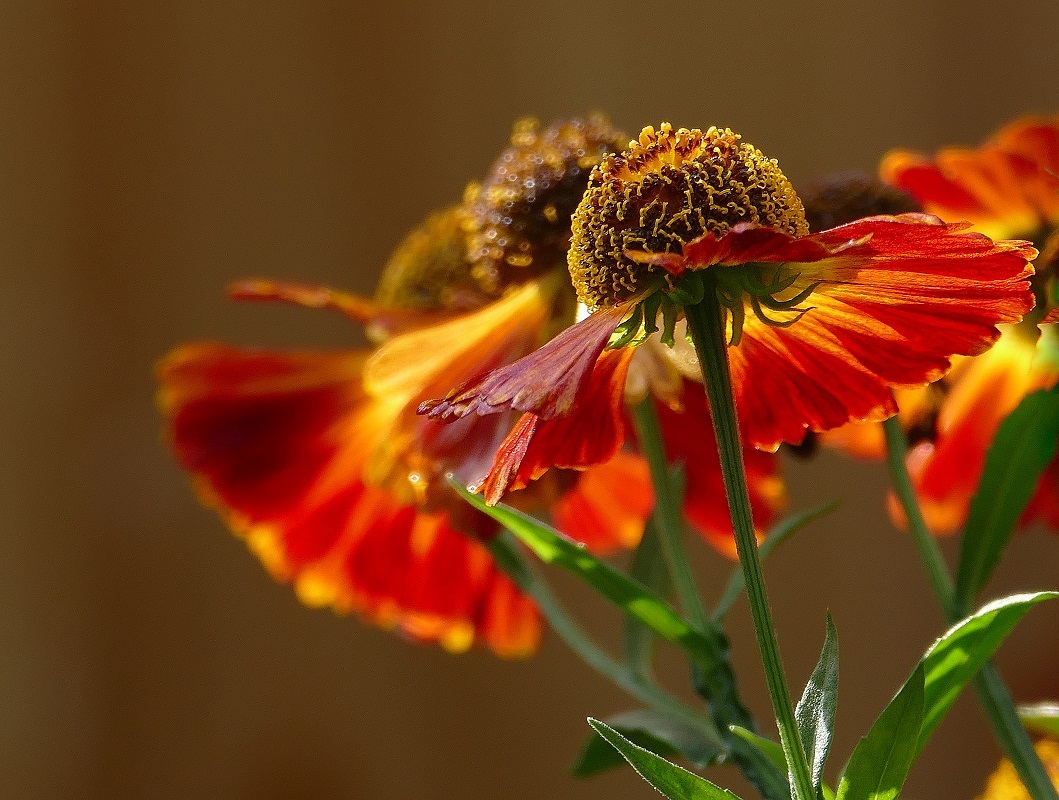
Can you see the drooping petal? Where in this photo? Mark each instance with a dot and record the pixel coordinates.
(546, 383)
(591, 433)
(889, 311)
(279, 444)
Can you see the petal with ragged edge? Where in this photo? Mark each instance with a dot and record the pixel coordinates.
(548, 382)
(591, 433)
(278, 443)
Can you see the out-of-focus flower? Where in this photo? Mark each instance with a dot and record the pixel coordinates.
(1004, 784)
(318, 458)
(820, 325)
(1008, 186)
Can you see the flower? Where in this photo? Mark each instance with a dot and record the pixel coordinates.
(1007, 187)
(1004, 783)
(318, 460)
(892, 299)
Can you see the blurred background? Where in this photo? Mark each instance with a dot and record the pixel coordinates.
(150, 152)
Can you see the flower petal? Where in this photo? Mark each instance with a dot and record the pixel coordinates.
(546, 383)
(591, 433)
(888, 313)
(608, 505)
(279, 444)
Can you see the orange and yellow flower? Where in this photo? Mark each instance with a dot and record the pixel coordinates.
(319, 460)
(1007, 187)
(821, 325)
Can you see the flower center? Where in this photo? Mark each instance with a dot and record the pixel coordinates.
(429, 270)
(668, 188)
(522, 211)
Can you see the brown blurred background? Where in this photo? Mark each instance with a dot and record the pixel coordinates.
(151, 151)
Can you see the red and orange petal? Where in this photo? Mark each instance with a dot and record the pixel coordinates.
(898, 296)
(591, 433)
(946, 472)
(278, 444)
(1007, 187)
(548, 382)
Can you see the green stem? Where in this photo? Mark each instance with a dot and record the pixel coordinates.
(505, 551)
(706, 326)
(993, 695)
(669, 521)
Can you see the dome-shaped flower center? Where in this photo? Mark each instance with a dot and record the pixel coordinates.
(430, 269)
(522, 211)
(668, 188)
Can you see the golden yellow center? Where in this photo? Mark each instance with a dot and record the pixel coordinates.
(670, 187)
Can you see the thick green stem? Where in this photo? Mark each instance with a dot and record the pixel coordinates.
(993, 695)
(505, 551)
(706, 326)
(669, 521)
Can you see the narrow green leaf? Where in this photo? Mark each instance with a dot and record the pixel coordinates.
(1024, 445)
(633, 598)
(955, 658)
(1042, 718)
(815, 712)
(881, 760)
(669, 779)
(773, 751)
(660, 733)
(779, 534)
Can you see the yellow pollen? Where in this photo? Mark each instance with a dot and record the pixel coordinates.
(668, 188)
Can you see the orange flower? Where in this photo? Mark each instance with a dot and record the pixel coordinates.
(319, 461)
(1004, 784)
(318, 458)
(1007, 187)
(821, 325)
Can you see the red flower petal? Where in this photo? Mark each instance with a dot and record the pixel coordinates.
(591, 433)
(547, 382)
(279, 443)
(608, 506)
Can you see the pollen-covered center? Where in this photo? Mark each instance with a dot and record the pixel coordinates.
(430, 268)
(522, 211)
(669, 188)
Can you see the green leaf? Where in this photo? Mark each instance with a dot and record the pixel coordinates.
(955, 658)
(1024, 445)
(672, 781)
(773, 751)
(1042, 718)
(780, 533)
(881, 760)
(632, 597)
(660, 733)
(815, 712)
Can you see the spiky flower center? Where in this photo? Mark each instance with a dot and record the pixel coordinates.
(522, 211)
(669, 188)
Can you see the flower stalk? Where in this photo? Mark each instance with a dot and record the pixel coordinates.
(707, 329)
(993, 695)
